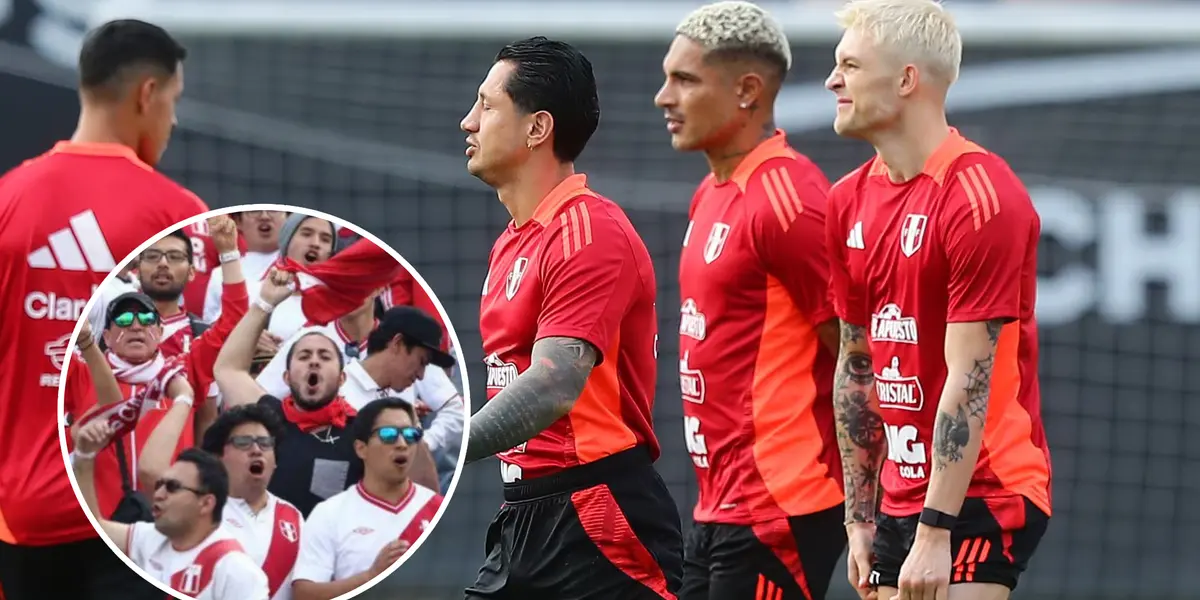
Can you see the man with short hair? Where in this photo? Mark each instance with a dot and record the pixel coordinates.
(268, 527)
(354, 536)
(753, 275)
(318, 456)
(68, 216)
(568, 326)
(163, 270)
(943, 413)
(185, 547)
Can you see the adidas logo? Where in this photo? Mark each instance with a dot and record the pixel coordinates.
(76, 248)
(856, 238)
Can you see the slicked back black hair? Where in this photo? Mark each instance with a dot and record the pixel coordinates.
(555, 77)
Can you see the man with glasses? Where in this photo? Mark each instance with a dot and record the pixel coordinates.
(356, 535)
(185, 548)
(268, 527)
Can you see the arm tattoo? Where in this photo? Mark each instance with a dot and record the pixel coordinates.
(541, 395)
(952, 433)
(859, 426)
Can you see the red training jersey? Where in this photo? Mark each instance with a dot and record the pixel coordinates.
(68, 217)
(577, 269)
(956, 244)
(756, 381)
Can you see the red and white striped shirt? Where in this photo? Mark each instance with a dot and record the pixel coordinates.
(216, 569)
(271, 537)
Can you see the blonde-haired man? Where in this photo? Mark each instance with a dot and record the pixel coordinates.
(757, 336)
(933, 256)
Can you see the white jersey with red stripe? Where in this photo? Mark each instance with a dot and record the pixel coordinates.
(345, 533)
(271, 537)
(216, 569)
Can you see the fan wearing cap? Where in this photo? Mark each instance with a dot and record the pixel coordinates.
(388, 367)
(356, 535)
(150, 384)
(316, 452)
(185, 547)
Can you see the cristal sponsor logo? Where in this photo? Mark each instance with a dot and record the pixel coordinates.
(691, 382)
(897, 391)
(499, 373)
(49, 306)
(692, 322)
(890, 325)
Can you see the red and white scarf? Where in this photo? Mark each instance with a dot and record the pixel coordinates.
(336, 287)
(149, 381)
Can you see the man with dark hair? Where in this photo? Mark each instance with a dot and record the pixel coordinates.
(69, 215)
(354, 536)
(268, 527)
(758, 422)
(185, 548)
(569, 332)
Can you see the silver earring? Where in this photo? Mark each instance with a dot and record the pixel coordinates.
(744, 105)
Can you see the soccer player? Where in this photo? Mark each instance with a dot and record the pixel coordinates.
(757, 334)
(354, 536)
(68, 217)
(933, 254)
(568, 327)
(185, 547)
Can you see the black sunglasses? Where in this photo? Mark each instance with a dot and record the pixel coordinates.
(125, 319)
(243, 442)
(389, 434)
(174, 486)
(352, 350)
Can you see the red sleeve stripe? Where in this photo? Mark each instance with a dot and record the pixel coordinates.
(980, 193)
(782, 195)
(576, 229)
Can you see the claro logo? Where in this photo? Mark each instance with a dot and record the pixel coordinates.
(1102, 252)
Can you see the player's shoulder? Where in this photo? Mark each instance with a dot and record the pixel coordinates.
(587, 221)
(983, 182)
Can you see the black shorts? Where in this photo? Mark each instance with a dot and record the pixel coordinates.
(788, 559)
(601, 531)
(991, 542)
(84, 570)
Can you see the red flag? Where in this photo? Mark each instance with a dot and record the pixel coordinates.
(338, 286)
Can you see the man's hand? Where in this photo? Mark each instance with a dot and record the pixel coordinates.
(926, 572)
(277, 287)
(223, 231)
(388, 556)
(422, 409)
(90, 438)
(268, 344)
(85, 339)
(860, 538)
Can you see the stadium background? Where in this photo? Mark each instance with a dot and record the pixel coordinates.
(1106, 135)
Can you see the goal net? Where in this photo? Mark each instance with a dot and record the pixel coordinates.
(353, 108)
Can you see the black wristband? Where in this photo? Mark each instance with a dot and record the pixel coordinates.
(937, 518)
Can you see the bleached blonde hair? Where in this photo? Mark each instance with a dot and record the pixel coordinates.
(734, 27)
(920, 32)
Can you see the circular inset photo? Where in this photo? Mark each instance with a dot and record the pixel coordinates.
(261, 402)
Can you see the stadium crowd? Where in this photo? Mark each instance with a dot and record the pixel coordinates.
(295, 436)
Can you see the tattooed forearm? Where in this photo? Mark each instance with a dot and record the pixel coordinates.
(540, 396)
(859, 425)
(952, 429)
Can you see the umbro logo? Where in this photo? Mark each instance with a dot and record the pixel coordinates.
(76, 248)
(855, 240)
